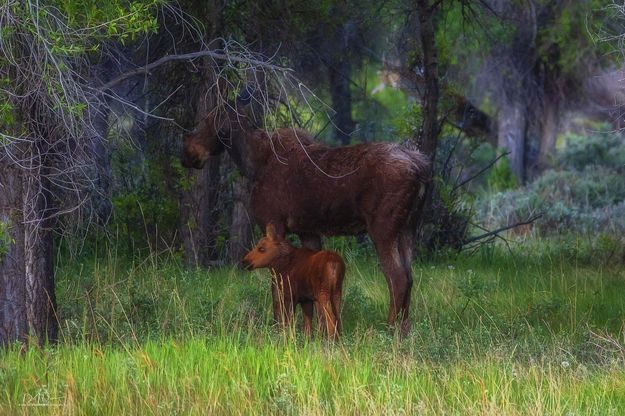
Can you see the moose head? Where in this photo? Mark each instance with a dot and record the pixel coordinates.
(218, 129)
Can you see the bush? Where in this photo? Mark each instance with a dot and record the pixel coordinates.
(501, 178)
(586, 194)
(605, 149)
(445, 224)
(145, 193)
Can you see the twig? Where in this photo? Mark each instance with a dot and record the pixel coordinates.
(330, 119)
(497, 231)
(461, 184)
(453, 149)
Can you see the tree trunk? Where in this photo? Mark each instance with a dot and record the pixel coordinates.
(242, 226)
(198, 200)
(430, 127)
(27, 299)
(340, 72)
(197, 213)
(549, 135)
(103, 183)
(511, 134)
(199, 210)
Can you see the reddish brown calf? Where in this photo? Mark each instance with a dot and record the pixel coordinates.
(313, 279)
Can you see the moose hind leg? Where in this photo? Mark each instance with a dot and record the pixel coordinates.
(405, 251)
(398, 279)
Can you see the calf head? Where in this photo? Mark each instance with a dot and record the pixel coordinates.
(269, 249)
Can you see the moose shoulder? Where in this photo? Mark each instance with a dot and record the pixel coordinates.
(311, 190)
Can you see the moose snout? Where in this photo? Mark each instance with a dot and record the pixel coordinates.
(185, 160)
(191, 162)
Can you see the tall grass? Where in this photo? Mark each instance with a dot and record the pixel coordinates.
(535, 331)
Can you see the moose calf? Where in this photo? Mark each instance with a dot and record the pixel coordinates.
(301, 276)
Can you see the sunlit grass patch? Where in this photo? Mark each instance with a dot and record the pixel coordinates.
(535, 331)
(226, 375)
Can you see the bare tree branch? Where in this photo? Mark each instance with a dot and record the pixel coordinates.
(188, 57)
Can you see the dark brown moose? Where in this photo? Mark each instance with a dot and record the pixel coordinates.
(311, 190)
(310, 278)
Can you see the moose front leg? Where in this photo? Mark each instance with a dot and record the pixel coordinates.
(311, 241)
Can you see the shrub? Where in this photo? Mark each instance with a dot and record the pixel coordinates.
(501, 177)
(445, 224)
(586, 194)
(600, 149)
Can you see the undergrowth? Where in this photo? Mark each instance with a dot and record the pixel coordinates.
(537, 330)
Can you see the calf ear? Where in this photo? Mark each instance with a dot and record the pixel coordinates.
(271, 232)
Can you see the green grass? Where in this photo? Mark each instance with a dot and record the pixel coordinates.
(535, 331)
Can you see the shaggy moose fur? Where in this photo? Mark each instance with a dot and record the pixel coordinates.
(312, 190)
(301, 276)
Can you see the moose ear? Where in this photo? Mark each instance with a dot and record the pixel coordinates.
(245, 95)
(271, 232)
(249, 103)
(222, 126)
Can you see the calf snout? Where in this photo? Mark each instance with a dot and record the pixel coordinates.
(245, 264)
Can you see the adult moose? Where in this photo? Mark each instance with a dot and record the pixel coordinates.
(311, 190)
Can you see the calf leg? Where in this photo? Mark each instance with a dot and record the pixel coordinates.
(281, 302)
(327, 319)
(287, 311)
(336, 308)
(276, 301)
(321, 317)
(307, 308)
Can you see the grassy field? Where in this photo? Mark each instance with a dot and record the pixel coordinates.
(538, 330)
